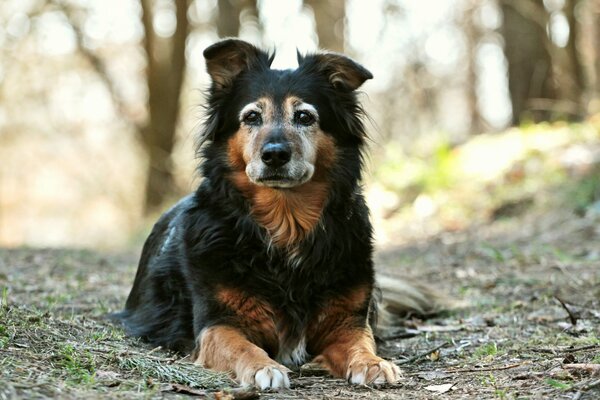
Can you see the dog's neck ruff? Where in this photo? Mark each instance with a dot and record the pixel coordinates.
(288, 215)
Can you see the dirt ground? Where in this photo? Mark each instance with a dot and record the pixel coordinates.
(523, 322)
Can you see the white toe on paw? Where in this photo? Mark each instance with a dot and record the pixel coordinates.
(380, 380)
(358, 378)
(271, 378)
(373, 373)
(388, 373)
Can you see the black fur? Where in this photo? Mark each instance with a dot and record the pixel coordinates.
(210, 237)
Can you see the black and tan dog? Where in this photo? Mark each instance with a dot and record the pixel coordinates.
(269, 263)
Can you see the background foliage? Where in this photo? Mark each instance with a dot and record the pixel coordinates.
(100, 102)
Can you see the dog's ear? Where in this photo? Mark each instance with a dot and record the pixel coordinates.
(226, 59)
(343, 72)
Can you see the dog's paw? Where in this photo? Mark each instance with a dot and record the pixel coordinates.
(271, 378)
(268, 377)
(372, 371)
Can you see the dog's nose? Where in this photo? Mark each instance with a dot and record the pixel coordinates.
(276, 154)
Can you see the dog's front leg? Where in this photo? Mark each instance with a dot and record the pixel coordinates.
(225, 348)
(350, 353)
(344, 343)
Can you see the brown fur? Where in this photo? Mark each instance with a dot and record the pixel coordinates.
(224, 348)
(255, 316)
(345, 346)
(289, 215)
(350, 347)
(338, 315)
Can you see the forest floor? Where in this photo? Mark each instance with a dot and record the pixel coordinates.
(525, 323)
(522, 316)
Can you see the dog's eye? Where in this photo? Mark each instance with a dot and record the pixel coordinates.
(304, 118)
(252, 118)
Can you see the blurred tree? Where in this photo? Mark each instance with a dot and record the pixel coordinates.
(577, 81)
(596, 44)
(527, 50)
(547, 78)
(472, 34)
(229, 18)
(330, 22)
(165, 72)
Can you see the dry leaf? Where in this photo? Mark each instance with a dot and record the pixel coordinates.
(106, 375)
(440, 388)
(435, 356)
(440, 328)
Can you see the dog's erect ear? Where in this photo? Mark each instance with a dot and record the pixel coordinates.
(342, 72)
(226, 59)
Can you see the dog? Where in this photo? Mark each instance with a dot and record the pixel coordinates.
(269, 263)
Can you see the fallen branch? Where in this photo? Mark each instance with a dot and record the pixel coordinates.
(572, 316)
(452, 371)
(226, 394)
(567, 350)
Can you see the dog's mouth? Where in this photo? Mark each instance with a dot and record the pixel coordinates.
(282, 181)
(279, 181)
(291, 175)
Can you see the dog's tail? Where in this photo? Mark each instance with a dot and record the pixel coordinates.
(399, 299)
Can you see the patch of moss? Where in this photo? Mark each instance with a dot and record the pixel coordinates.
(79, 365)
(558, 384)
(487, 350)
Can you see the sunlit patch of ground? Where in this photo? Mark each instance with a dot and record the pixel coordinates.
(489, 177)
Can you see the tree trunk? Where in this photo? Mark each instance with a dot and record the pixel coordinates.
(592, 33)
(577, 82)
(228, 20)
(330, 21)
(597, 50)
(527, 50)
(472, 34)
(165, 73)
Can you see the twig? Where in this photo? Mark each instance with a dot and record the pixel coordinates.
(237, 394)
(18, 385)
(423, 354)
(487, 369)
(155, 349)
(572, 316)
(567, 350)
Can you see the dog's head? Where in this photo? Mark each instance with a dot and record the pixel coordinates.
(282, 129)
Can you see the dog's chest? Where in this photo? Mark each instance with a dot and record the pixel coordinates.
(294, 354)
(292, 289)
(293, 317)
